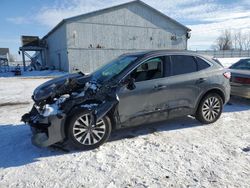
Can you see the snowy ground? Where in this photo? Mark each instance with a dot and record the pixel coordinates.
(227, 62)
(176, 153)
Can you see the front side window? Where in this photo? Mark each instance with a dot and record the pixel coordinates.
(243, 64)
(151, 69)
(182, 64)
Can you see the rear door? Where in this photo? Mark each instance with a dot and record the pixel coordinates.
(184, 85)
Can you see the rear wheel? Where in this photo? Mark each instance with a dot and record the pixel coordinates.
(210, 108)
(82, 135)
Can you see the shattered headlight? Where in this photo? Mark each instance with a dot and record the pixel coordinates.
(53, 109)
(50, 110)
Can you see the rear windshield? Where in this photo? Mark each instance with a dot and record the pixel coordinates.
(243, 64)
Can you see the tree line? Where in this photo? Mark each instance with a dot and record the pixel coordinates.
(229, 40)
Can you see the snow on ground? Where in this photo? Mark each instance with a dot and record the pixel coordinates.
(18, 90)
(176, 153)
(227, 62)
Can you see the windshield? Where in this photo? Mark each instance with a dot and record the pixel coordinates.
(113, 68)
(243, 64)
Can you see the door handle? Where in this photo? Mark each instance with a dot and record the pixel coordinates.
(159, 87)
(200, 80)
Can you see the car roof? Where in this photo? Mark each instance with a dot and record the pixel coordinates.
(167, 52)
(150, 53)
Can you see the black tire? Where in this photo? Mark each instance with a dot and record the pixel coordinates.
(87, 137)
(210, 108)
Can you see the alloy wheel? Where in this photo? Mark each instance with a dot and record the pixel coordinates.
(87, 134)
(211, 109)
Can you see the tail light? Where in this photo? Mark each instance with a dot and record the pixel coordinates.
(227, 75)
(242, 80)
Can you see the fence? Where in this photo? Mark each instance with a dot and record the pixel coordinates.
(9, 66)
(225, 53)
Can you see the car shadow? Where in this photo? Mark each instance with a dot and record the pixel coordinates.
(236, 104)
(168, 125)
(17, 149)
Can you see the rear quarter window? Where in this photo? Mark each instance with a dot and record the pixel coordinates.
(202, 64)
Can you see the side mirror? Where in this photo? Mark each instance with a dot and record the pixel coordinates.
(130, 83)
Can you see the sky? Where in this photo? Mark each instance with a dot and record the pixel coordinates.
(206, 18)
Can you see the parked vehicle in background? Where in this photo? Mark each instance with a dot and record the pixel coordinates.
(240, 78)
(134, 89)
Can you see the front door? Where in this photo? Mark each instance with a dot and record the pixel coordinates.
(138, 106)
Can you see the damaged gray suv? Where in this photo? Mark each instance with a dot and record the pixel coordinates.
(134, 89)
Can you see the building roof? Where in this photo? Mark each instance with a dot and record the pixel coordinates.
(112, 7)
(4, 51)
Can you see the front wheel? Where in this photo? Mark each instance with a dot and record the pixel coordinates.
(82, 135)
(210, 108)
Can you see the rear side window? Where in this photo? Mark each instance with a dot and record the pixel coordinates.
(202, 64)
(182, 64)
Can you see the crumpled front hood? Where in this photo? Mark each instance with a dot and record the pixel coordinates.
(59, 86)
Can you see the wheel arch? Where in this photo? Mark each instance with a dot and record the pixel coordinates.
(113, 117)
(209, 91)
(77, 107)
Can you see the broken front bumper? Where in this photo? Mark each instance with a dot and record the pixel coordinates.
(46, 130)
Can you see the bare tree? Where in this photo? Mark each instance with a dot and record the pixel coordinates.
(238, 40)
(224, 41)
(241, 40)
(246, 41)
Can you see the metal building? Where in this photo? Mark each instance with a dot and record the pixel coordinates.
(87, 41)
(4, 59)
